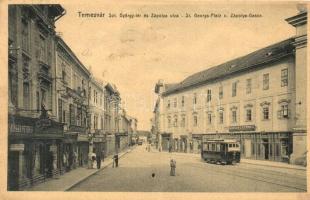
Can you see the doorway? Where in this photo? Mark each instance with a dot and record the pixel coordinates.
(266, 149)
(13, 170)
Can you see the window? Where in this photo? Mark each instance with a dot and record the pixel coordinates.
(284, 77)
(234, 89)
(209, 118)
(283, 113)
(169, 122)
(209, 95)
(248, 86)
(248, 115)
(234, 116)
(94, 96)
(168, 104)
(42, 49)
(195, 99)
(182, 101)
(175, 123)
(175, 102)
(195, 120)
(60, 110)
(265, 81)
(220, 92)
(26, 93)
(266, 113)
(183, 121)
(221, 117)
(38, 101)
(25, 35)
(64, 76)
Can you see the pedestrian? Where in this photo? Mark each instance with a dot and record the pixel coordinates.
(172, 167)
(116, 160)
(170, 149)
(93, 159)
(98, 160)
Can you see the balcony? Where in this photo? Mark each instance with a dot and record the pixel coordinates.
(42, 74)
(75, 128)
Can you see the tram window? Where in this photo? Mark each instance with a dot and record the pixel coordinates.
(230, 145)
(213, 147)
(237, 145)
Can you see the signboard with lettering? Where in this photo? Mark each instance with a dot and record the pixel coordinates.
(17, 147)
(98, 140)
(43, 123)
(242, 128)
(18, 128)
(82, 138)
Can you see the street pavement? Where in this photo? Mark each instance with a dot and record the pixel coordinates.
(135, 170)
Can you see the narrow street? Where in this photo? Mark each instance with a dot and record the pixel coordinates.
(192, 175)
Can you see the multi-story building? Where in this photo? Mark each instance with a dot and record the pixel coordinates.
(258, 99)
(34, 135)
(96, 112)
(71, 97)
(124, 131)
(111, 117)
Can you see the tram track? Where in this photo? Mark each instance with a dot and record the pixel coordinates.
(280, 181)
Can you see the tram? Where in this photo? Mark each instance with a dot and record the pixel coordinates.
(221, 151)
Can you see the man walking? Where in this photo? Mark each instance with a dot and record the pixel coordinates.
(98, 159)
(116, 160)
(172, 167)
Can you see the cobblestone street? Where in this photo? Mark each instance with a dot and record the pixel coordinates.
(135, 175)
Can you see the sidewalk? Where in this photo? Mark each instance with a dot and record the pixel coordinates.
(272, 164)
(73, 177)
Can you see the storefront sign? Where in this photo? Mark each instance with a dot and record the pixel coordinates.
(17, 147)
(98, 140)
(43, 123)
(82, 138)
(18, 128)
(242, 128)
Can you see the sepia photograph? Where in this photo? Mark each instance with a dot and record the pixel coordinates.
(164, 97)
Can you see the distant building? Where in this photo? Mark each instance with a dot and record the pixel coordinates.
(259, 99)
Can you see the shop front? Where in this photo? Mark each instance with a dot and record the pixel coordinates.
(274, 146)
(34, 151)
(121, 141)
(166, 141)
(99, 142)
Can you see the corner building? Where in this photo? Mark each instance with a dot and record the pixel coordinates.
(258, 99)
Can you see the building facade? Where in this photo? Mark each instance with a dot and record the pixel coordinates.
(58, 112)
(96, 111)
(34, 146)
(257, 99)
(72, 80)
(111, 118)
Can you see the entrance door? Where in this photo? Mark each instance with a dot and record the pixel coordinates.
(13, 170)
(247, 148)
(266, 149)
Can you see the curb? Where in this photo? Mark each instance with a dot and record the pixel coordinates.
(284, 167)
(93, 173)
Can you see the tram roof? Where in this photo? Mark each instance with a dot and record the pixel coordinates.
(222, 140)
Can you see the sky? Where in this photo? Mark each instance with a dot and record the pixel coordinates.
(135, 53)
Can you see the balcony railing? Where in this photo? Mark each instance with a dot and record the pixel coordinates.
(75, 128)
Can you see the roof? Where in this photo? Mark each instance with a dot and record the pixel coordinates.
(248, 62)
(69, 51)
